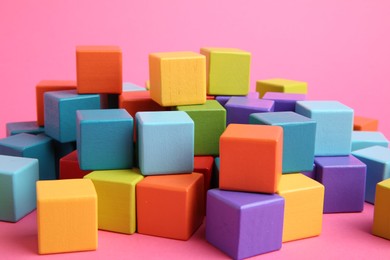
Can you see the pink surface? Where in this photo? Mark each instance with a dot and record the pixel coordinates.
(341, 48)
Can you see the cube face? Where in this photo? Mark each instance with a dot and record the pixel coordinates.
(365, 139)
(228, 71)
(29, 127)
(75, 199)
(170, 206)
(131, 87)
(70, 167)
(280, 85)
(284, 101)
(361, 123)
(165, 142)
(251, 158)
(99, 69)
(138, 101)
(101, 134)
(116, 199)
(382, 210)
(238, 109)
(344, 178)
(334, 126)
(244, 224)
(298, 138)
(210, 122)
(177, 78)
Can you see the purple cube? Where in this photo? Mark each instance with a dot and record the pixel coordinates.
(238, 109)
(344, 178)
(284, 101)
(222, 99)
(244, 224)
(311, 174)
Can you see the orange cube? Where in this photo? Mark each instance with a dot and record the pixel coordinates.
(49, 85)
(136, 101)
(99, 69)
(170, 206)
(364, 124)
(251, 158)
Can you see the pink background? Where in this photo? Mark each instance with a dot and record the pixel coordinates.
(341, 48)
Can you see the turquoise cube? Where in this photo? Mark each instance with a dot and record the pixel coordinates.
(165, 142)
(365, 139)
(28, 127)
(334, 126)
(299, 134)
(32, 146)
(104, 139)
(17, 187)
(60, 113)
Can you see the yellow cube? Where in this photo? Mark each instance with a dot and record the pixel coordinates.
(381, 225)
(66, 216)
(177, 78)
(304, 203)
(280, 85)
(116, 199)
(228, 71)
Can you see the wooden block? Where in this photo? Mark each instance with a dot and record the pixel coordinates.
(280, 85)
(228, 71)
(138, 101)
(66, 216)
(365, 124)
(377, 159)
(60, 113)
(70, 168)
(46, 86)
(28, 127)
(177, 78)
(238, 109)
(304, 201)
(32, 146)
(284, 101)
(205, 166)
(130, 87)
(251, 158)
(99, 69)
(365, 139)
(17, 187)
(299, 134)
(116, 199)
(243, 224)
(334, 126)
(60, 150)
(165, 142)
(210, 122)
(104, 139)
(381, 221)
(170, 206)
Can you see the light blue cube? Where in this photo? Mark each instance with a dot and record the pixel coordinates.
(165, 142)
(299, 134)
(60, 112)
(377, 159)
(129, 87)
(334, 126)
(32, 146)
(17, 187)
(28, 127)
(105, 139)
(364, 139)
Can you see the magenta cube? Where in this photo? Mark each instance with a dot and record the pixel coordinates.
(238, 109)
(244, 224)
(284, 101)
(344, 178)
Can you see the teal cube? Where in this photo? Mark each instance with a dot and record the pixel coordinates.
(365, 139)
(334, 126)
(105, 139)
(210, 122)
(165, 142)
(60, 113)
(299, 134)
(28, 127)
(17, 187)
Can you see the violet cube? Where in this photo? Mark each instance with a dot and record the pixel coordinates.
(244, 224)
(344, 178)
(284, 101)
(238, 109)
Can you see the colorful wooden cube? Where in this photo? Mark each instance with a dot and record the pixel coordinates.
(299, 134)
(238, 109)
(205, 166)
(165, 142)
(70, 168)
(138, 101)
(210, 122)
(105, 139)
(99, 69)
(130, 87)
(381, 221)
(116, 199)
(280, 85)
(228, 71)
(60, 113)
(344, 178)
(28, 127)
(364, 139)
(66, 216)
(361, 123)
(32, 146)
(334, 126)
(244, 224)
(251, 158)
(304, 203)
(17, 187)
(284, 101)
(177, 78)
(377, 159)
(312, 173)
(170, 206)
